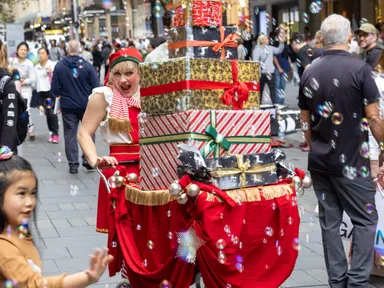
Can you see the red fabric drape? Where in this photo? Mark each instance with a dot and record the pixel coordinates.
(265, 264)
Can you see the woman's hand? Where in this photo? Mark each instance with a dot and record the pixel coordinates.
(48, 69)
(98, 264)
(105, 161)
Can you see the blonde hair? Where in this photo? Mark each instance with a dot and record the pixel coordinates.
(123, 67)
(261, 39)
(3, 56)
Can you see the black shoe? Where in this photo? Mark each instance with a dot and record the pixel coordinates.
(73, 169)
(86, 165)
(31, 136)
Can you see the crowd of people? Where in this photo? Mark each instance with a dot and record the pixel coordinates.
(337, 92)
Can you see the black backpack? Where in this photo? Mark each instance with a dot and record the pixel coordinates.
(22, 115)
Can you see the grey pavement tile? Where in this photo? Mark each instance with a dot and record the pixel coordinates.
(75, 231)
(310, 262)
(317, 247)
(72, 214)
(48, 233)
(81, 206)
(58, 223)
(57, 253)
(319, 274)
(49, 266)
(96, 240)
(66, 206)
(92, 204)
(81, 251)
(65, 191)
(68, 199)
(41, 224)
(77, 222)
(47, 207)
(73, 264)
(290, 282)
(304, 278)
(91, 221)
(48, 182)
(68, 181)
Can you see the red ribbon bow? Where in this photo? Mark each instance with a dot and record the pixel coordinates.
(229, 41)
(238, 94)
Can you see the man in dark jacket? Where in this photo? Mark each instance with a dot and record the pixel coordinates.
(367, 34)
(73, 81)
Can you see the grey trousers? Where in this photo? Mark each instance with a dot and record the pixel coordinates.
(71, 122)
(335, 195)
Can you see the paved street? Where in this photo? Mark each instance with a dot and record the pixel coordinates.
(66, 217)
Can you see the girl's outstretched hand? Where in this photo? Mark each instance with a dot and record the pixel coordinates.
(98, 264)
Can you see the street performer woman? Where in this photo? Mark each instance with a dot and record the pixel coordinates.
(115, 108)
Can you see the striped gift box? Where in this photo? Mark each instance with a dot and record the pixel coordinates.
(246, 131)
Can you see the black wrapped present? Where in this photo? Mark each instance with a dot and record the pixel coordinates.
(240, 171)
(203, 42)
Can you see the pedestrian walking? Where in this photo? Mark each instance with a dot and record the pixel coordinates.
(54, 52)
(105, 52)
(44, 73)
(367, 35)
(73, 81)
(27, 80)
(264, 53)
(338, 93)
(97, 59)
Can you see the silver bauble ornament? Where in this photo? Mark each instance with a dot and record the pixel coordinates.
(296, 182)
(132, 177)
(193, 190)
(174, 189)
(183, 199)
(307, 182)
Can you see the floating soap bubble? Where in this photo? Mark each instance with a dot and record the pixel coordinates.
(273, 206)
(305, 17)
(170, 235)
(370, 208)
(282, 233)
(363, 21)
(298, 62)
(265, 241)
(48, 103)
(336, 82)
(333, 144)
(74, 190)
(114, 244)
(240, 267)
(310, 52)
(157, 11)
(221, 257)
(33, 58)
(354, 115)
(343, 158)
(304, 126)
(227, 229)
(80, 63)
(364, 125)
(150, 244)
(274, 22)
(349, 172)
(290, 220)
(314, 84)
(268, 231)
(364, 150)
(257, 11)
(267, 18)
(296, 244)
(336, 133)
(235, 239)
(307, 92)
(220, 244)
(364, 172)
(279, 250)
(155, 172)
(285, 76)
(165, 284)
(75, 73)
(337, 118)
(138, 227)
(145, 263)
(169, 213)
(315, 7)
(323, 196)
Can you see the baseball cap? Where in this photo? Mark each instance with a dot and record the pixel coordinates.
(367, 28)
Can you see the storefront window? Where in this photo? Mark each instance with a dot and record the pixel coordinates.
(379, 11)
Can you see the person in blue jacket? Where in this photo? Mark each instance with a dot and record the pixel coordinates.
(73, 81)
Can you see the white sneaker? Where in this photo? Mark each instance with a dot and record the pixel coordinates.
(280, 106)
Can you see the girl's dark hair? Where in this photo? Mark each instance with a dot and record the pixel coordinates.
(7, 167)
(21, 44)
(45, 49)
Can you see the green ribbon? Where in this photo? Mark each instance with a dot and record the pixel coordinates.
(214, 140)
(215, 143)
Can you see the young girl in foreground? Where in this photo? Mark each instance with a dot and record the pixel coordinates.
(20, 264)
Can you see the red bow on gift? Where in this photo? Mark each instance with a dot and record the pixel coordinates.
(236, 95)
(229, 41)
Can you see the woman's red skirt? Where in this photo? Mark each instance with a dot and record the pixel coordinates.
(122, 152)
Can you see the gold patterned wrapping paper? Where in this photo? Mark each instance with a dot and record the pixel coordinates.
(156, 75)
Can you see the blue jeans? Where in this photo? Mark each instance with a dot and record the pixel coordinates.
(280, 84)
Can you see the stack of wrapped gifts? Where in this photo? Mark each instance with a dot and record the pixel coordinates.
(204, 98)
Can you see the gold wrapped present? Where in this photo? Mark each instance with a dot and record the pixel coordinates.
(184, 84)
